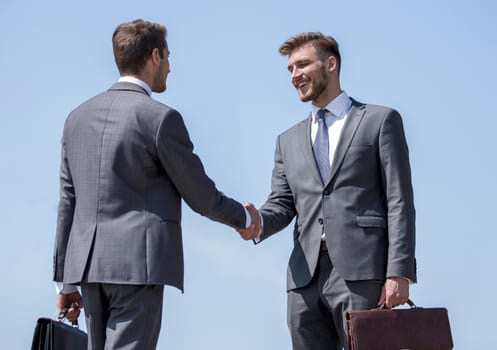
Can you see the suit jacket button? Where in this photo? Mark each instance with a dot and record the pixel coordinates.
(326, 192)
(320, 220)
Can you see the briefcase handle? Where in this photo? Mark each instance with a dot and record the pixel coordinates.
(409, 302)
(62, 314)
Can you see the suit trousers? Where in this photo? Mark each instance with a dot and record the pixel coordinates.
(125, 317)
(316, 312)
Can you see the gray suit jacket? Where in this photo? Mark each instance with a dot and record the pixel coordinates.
(127, 161)
(366, 207)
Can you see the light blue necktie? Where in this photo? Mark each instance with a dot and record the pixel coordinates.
(322, 146)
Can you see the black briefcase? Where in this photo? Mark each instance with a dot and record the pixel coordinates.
(52, 334)
(416, 328)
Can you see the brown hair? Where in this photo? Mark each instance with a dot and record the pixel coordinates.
(133, 43)
(325, 45)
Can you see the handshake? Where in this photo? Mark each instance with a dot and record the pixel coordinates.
(255, 227)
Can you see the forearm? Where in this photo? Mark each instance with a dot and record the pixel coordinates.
(188, 175)
(65, 217)
(279, 209)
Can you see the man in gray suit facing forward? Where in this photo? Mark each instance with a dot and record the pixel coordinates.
(127, 161)
(344, 174)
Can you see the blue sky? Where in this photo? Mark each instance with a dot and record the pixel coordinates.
(434, 61)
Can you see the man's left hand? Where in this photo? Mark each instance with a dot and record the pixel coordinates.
(73, 301)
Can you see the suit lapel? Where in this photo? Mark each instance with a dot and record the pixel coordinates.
(306, 145)
(349, 129)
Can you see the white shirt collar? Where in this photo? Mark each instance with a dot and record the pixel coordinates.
(133, 80)
(338, 107)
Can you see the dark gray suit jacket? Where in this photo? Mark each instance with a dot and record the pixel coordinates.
(366, 207)
(127, 161)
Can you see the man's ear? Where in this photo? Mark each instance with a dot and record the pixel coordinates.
(332, 64)
(155, 56)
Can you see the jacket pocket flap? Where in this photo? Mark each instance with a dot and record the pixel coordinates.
(371, 221)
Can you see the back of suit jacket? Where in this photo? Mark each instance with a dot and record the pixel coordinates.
(127, 160)
(365, 209)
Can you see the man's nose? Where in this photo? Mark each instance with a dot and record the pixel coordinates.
(296, 73)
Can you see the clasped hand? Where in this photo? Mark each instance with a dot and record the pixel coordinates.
(394, 292)
(255, 227)
(73, 301)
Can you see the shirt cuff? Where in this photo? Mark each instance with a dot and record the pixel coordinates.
(258, 238)
(65, 288)
(248, 219)
(404, 278)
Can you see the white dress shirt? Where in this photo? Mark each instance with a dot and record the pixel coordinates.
(133, 80)
(335, 119)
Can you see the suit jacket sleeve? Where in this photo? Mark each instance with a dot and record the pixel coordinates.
(396, 177)
(65, 216)
(187, 173)
(279, 209)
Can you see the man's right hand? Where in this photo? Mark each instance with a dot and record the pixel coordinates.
(255, 227)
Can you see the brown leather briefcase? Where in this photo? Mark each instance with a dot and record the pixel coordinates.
(399, 329)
